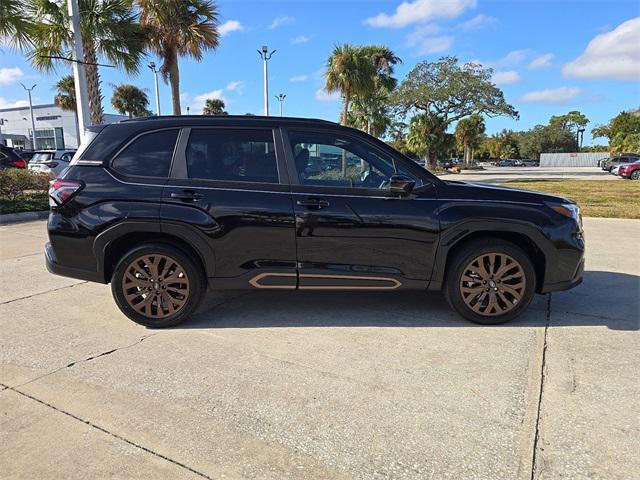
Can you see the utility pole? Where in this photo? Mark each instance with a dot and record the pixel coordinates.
(33, 122)
(152, 66)
(79, 74)
(280, 97)
(265, 58)
(579, 137)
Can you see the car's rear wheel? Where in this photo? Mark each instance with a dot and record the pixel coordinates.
(490, 281)
(157, 285)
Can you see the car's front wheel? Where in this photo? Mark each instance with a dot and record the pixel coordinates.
(490, 281)
(635, 175)
(157, 285)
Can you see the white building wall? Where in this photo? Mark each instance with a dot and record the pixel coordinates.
(585, 159)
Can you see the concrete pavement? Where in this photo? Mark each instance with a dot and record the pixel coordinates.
(319, 385)
(493, 174)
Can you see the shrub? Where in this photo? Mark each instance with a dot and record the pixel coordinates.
(18, 182)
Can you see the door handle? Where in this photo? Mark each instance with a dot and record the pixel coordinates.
(313, 203)
(187, 196)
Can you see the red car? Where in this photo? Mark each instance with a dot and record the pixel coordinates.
(631, 170)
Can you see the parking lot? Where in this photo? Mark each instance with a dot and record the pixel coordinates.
(320, 385)
(492, 174)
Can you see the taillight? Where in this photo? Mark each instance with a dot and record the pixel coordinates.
(62, 190)
(20, 164)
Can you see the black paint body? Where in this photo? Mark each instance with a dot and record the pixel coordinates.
(240, 231)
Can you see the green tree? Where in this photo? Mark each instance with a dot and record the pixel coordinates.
(16, 28)
(427, 137)
(179, 28)
(109, 30)
(214, 106)
(447, 92)
(468, 133)
(66, 94)
(130, 100)
(621, 131)
(371, 113)
(570, 121)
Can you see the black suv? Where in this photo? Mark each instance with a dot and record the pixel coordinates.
(166, 207)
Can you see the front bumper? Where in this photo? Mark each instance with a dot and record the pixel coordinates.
(568, 284)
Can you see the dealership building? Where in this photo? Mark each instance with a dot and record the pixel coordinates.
(55, 128)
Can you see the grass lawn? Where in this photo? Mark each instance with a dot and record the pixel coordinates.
(25, 203)
(597, 198)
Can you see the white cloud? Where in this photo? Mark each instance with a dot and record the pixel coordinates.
(613, 54)
(299, 78)
(299, 39)
(236, 86)
(477, 22)
(512, 58)
(541, 61)
(280, 21)
(323, 96)
(10, 75)
(552, 96)
(420, 11)
(423, 38)
(196, 104)
(505, 77)
(230, 26)
(4, 103)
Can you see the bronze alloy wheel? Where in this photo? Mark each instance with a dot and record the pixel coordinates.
(155, 286)
(492, 284)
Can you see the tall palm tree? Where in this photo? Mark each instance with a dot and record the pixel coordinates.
(15, 27)
(178, 28)
(109, 30)
(468, 133)
(130, 100)
(66, 93)
(214, 106)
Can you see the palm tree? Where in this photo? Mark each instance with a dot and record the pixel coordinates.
(66, 93)
(109, 30)
(15, 27)
(178, 28)
(130, 100)
(468, 133)
(370, 113)
(214, 106)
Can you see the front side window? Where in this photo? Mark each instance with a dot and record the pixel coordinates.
(148, 155)
(237, 155)
(324, 159)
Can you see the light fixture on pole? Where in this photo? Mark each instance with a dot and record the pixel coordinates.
(265, 58)
(152, 66)
(280, 97)
(79, 74)
(33, 122)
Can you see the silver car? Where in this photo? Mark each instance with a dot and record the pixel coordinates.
(52, 162)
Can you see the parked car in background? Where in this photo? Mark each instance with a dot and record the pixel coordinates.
(26, 154)
(614, 170)
(165, 208)
(609, 164)
(52, 162)
(531, 163)
(630, 170)
(510, 163)
(10, 159)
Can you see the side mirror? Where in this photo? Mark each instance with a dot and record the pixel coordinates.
(401, 184)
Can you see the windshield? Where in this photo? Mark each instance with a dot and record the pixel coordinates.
(40, 157)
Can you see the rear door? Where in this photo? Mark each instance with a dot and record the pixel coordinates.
(229, 186)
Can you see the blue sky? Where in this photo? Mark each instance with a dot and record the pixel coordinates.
(550, 57)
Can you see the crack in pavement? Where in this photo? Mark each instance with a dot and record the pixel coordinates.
(88, 359)
(41, 293)
(108, 432)
(542, 378)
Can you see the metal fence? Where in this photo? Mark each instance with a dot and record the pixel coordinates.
(588, 159)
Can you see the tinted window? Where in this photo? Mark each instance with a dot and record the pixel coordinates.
(232, 155)
(149, 155)
(328, 160)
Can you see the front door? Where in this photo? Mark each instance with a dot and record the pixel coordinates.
(228, 185)
(351, 231)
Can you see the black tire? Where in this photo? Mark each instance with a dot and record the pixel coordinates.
(185, 289)
(461, 262)
(635, 175)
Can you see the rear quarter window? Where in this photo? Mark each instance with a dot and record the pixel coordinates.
(148, 155)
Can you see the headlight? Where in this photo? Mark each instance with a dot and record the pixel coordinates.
(569, 210)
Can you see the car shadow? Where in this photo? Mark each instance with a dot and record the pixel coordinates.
(603, 299)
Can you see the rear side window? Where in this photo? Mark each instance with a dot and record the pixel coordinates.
(240, 155)
(148, 155)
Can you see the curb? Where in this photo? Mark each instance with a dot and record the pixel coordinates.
(23, 217)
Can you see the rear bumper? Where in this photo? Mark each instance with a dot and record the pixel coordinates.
(54, 267)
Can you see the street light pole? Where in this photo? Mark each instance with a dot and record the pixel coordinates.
(265, 58)
(280, 97)
(33, 122)
(152, 66)
(79, 74)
